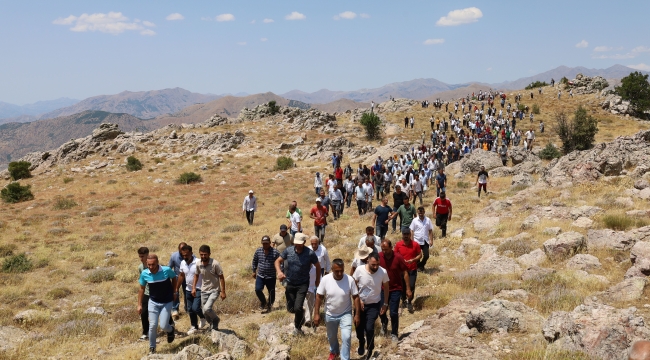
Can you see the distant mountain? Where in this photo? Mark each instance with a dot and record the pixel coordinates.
(142, 104)
(341, 105)
(14, 111)
(460, 92)
(17, 139)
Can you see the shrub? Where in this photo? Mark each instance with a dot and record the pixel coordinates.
(133, 164)
(16, 264)
(67, 180)
(61, 203)
(576, 134)
(19, 170)
(126, 276)
(518, 247)
(635, 89)
(283, 163)
(101, 275)
(188, 178)
(7, 250)
(549, 152)
(58, 293)
(372, 124)
(15, 193)
(535, 109)
(622, 222)
(273, 107)
(521, 107)
(536, 84)
(111, 182)
(564, 80)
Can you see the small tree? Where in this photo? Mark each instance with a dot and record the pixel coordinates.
(372, 124)
(549, 152)
(133, 164)
(635, 89)
(19, 170)
(273, 107)
(564, 80)
(283, 163)
(576, 134)
(536, 84)
(189, 178)
(14, 193)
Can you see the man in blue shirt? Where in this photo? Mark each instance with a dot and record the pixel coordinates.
(441, 182)
(175, 264)
(162, 282)
(299, 260)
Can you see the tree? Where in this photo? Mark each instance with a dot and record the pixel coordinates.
(372, 124)
(19, 170)
(273, 107)
(15, 193)
(576, 134)
(635, 89)
(133, 164)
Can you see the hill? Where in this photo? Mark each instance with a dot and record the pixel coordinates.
(18, 139)
(32, 110)
(142, 104)
(459, 92)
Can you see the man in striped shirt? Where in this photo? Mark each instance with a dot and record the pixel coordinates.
(264, 273)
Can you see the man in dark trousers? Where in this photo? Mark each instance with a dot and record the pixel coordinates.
(398, 283)
(442, 209)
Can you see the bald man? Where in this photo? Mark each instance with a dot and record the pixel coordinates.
(640, 350)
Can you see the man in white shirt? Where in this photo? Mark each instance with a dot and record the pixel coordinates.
(325, 267)
(337, 199)
(416, 188)
(249, 207)
(339, 293)
(186, 275)
(422, 233)
(371, 280)
(370, 239)
(370, 192)
(360, 196)
(294, 221)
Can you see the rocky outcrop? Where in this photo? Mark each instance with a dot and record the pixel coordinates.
(605, 159)
(229, 342)
(190, 352)
(499, 315)
(587, 85)
(493, 264)
(616, 105)
(564, 245)
(324, 148)
(627, 290)
(473, 161)
(396, 105)
(609, 239)
(294, 118)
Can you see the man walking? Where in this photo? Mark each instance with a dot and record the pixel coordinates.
(441, 181)
(417, 188)
(299, 260)
(282, 240)
(264, 273)
(338, 291)
(372, 281)
(249, 207)
(175, 264)
(422, 233)
(319, 214)
(380, 219)
(398, 283)
(406, 213)
(295, 221)
(213, 285)
(482, 180)
(398, 200)
(188, 270)
(162, 282)
(360, 197)
(411, 252)
(442, 209)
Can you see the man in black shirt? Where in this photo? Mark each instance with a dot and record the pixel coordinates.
(380, 219)
(398, 200)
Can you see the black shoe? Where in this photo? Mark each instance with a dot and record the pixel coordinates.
(215, 323)
(171, 335)
(360, 349)
(152, 351)
(384, 329)
(409, 305)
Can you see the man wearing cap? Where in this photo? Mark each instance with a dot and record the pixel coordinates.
(398, 283)
(249, 207)
(411, 252)
(282, 240)
(298, 259)
(264, 273)
(442, 208)
(319, 213)
(372, 282)
(422, 233)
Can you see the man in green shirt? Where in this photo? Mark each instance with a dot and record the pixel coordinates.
(294, 203)
(406, 212)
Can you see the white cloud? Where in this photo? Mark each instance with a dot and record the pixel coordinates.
(242, 43)
(268, 21)
(641, 49)
(263, 39)
(460, 17)
(111, 23)
(175, 16)
(225, 17)
(364, 15)
(433, 41)
(348, 15)
(489, 69)
(295, 16)
(582, 44)
(603, 49)
(641, 66)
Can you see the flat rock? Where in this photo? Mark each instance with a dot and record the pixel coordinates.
(533, 258)
(553, 231)
(498, 314)
(516, 295)
(609, 239)
(227, 340)
(487, 224)
(584, 262)
(536, 272)
(458, 233)
(583, 222)
(10, 337)
(496, 264)
(529, 222)
(627, 290)
(564, 245)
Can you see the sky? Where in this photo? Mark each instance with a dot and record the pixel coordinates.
(77, 49)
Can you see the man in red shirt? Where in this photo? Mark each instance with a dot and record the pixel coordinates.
(442, 209)
(411, 252)
(398, 276)
(338, 174)
(319, 214)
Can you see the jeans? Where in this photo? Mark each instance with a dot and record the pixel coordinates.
(332, 323)
(295, 295)
(319, 231)
(413, 276)
(144, 316)
(439, 189)
(310, 301)
(366, 329)
(362, 206)
(293, 233)
(393, 306)
(336, 205)
(158, 312)
(176, 304)
(269, 283)
(425, 255)
(193, 307)
(207, 302)
(348, 199)
(395, 219)
(318, 191)
(250, 214)
(381, 230)
(380, 191)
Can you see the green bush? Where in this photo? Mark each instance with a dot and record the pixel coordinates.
(188, 178)
(372, 124)
(273, 107)
(564, 80)
(549, 152)
(576, 134)
(622, 222)
(19, 170)
(15, 193)
(536, 84)
(133, 164)
(521, 107)
(283, 163)
(67, 180)
(61, 203)
(535, 109)
(16, 264)
(58, 293)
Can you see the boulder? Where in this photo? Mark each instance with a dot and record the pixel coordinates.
(487, 224)
(10, 337)
(26, 316)
(495, 264)
(498, 314)
(583, 222)
(522, 180)
(536, 272)
(584, 262)
(641, 184)
(519, 155)
(533, 258)
(564, 245)
(553, 231)
(609, 239)
(106, 131)
(627, 290)
(278, 352)
(529, 222)
(640, 251)
(227, 340)
(472, 162)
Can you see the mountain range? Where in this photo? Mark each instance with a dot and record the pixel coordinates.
(31, 110)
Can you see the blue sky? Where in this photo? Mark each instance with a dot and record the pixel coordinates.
(77, 49)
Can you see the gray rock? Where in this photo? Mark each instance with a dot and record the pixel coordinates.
(533, 258)
(26, 316)
(609, 239)
(110, 254)
(627, 290)
(473, 161)
(497, 314)
(626, 202)
(583, 222)
(487, 224)
(641, 184)
(228, 341)
(458, 233)
(529, 222)
(564, 245)
(536, 272)
(278, 352)
(10, 337)
(644, 194)
(96, 310)
(584, 262)
(516, 295)
(553, 231)
(584, 211)
(521, 180)
(495, 264)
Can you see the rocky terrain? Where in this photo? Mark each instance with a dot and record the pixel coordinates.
(551, 264)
